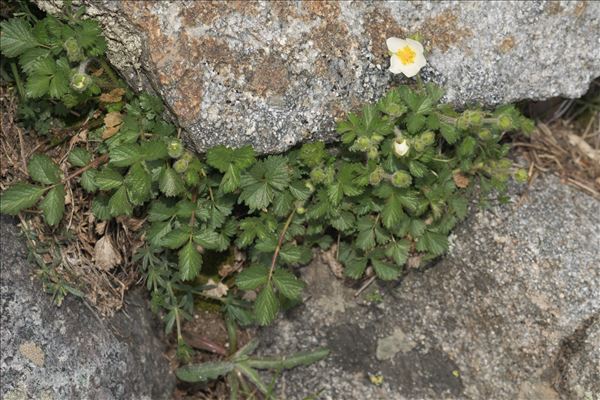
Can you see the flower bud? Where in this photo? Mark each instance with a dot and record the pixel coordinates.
(317, 175)
(521, 175)
(191, 177)
(300, 210)
(373, 153)
(401, 179)
(377, 138)
(80, 82)
(74, 52)
(309, 186)
(175, 148)
(428, 138)
(181, 165)
(419, 145)
(505, 122)
(376, 176)
(527, 125)
(188, 156)
(401, 147)
(475, 117)
(362, 143)
(485, 134)
(463, 122)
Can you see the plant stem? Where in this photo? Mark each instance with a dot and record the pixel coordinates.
(18, 82)
(95, 163)
(280, 243)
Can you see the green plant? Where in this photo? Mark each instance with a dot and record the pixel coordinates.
(50, 62)
(240, 367)
(388, 195)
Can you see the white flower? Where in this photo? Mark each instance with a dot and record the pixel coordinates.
(406, 56)
(401, 147)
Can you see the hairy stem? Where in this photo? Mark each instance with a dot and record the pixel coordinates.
(280, 243)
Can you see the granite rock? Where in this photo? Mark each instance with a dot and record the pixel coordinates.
(512, 312)
(69, 352)
(273, 74)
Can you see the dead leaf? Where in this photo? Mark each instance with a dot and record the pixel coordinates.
(329, 258)
(226, 270)
(132, 224)
(414, 262)
(584, 147)
(114, 96)
(105, 254)
(460, 180)
(110, 132)
(113, 119)
(98, 72)
(100, 227)
(219, 291)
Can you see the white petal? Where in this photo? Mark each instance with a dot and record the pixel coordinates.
(394, 44)
(395, 65)
(410, 70)
(416, 46)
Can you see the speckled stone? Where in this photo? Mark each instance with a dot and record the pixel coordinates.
(512, 312)
(52, 353)
(273, 74)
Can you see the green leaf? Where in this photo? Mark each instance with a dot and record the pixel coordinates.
(252, 277)
(433, 242)
(159, 211)
(139, 184)
(385, 271)
(79, 157)
(170, 183)
(467, 147)
(208, 239)
(254, 377)
(29, 60)
(222, 157)
(119, 203)
(231, 180)
(392, 212)
(19, 197)
(398, 251)
(53, 205)
(190, 261)
(460, 206)
(344, 184)
(300, 191)
(415, 122)
(153, 150)
(100, 208)
(37, 86)
(287, 284)
(59, 82)
(108, 179)
(289, 361)
(204, 372)
(417, 169)
(125, 155)
(88, 180)
(266, 305)
(291, 253)
(17, 37)
(43, 170)
(176, 238)
(449, 133)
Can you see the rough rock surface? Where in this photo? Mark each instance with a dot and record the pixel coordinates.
(273, 74)
(512, 312)
(68, 352)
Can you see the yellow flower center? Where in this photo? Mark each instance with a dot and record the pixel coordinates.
(406, 55)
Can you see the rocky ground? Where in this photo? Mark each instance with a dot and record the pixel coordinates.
(513, 312)
(51, 353)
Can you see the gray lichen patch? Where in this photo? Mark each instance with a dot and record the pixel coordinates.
(388, 346)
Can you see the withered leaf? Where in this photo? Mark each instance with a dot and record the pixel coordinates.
(105, 254)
